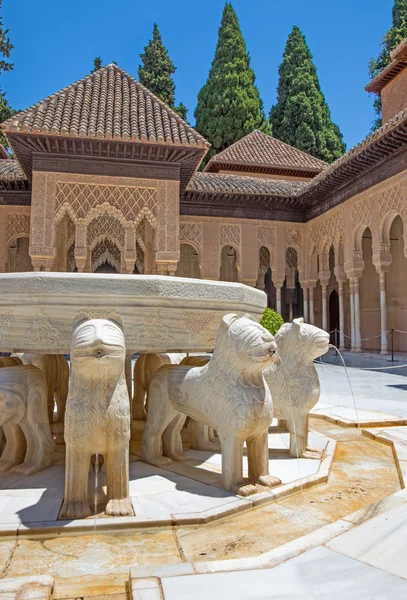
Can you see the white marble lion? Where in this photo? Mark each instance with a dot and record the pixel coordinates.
(23, 416)
(145, 367)
(229, 394)
(294, 381)
(97, 418)
(56, 371)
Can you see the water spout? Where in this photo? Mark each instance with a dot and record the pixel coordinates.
(350, 385)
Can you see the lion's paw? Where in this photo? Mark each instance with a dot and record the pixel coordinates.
(75, 510)
(209, 447)
(181, 456)
(119, 508)
(157, 461)
(246, 490)
(269, 481)
(28, 469)
(6, 465)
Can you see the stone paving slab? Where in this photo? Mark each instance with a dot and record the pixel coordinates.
(182, 494)
(318, 573)
(380, 541)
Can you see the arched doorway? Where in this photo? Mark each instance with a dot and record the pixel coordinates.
(188, 264)
(334, 316)
(228, 266)
(106, 267)
(19, 260)
(369, 291)
(396, 286)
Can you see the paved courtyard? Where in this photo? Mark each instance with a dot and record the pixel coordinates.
(379, 391)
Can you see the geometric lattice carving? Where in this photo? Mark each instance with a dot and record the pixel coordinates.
(230, 235)
(291, 258)
(70, 227)
(326, 233)
(105, 225)
(362, 213)
(106, 251)
(291, 264)
(191, 232)
(133, 202)
(264, 258)
(293, 237)
(17, 224)
(141, 234)
(266, 236)
(391, 199)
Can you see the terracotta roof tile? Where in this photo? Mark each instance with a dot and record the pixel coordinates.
(221, 183)
(108, 104)
(10, 170)
(258, 149)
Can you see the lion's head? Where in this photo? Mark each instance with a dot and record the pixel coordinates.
(301, 339)
(243, 342)
(98, 344)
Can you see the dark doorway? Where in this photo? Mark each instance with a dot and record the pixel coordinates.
(106, 268)
(334, 316)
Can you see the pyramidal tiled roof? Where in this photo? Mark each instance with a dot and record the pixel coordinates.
(257, 149)
(107, 104)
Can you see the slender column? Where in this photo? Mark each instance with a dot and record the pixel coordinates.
(290, 305)
(341, 317)
(383, 313)
(305, 292)
(324, 307)
(358, 343)
(278, 297)
(311, 306)
(352, 315)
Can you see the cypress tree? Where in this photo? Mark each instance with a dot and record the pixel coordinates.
(5, 51)
(229, 106)
(156, 71)
(97, 64)
(393, 37)
(301, 116)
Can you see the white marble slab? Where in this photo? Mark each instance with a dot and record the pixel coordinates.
(317, 574)
(25, 509)
(381, 542)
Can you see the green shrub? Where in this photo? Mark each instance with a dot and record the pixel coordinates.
(271, 320)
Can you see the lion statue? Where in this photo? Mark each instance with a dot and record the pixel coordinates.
(229, 394)
(202, 437)
(145, 367)
(24, 418)
(294, 381)
(97, 418)
(56, 371)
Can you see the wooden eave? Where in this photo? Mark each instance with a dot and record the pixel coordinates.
(215, 167)
(25, 144)
(386, 76)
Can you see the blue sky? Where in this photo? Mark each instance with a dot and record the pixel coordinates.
(56, 41)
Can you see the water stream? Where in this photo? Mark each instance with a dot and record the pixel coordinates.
(350, 385)
(292, 417)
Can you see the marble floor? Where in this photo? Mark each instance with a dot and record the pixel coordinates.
(320, 573)
(188, 488)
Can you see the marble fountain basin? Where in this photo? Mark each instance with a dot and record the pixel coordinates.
(158, 313)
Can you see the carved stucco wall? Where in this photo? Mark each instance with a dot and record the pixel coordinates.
(14, 224)
(122, 202)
